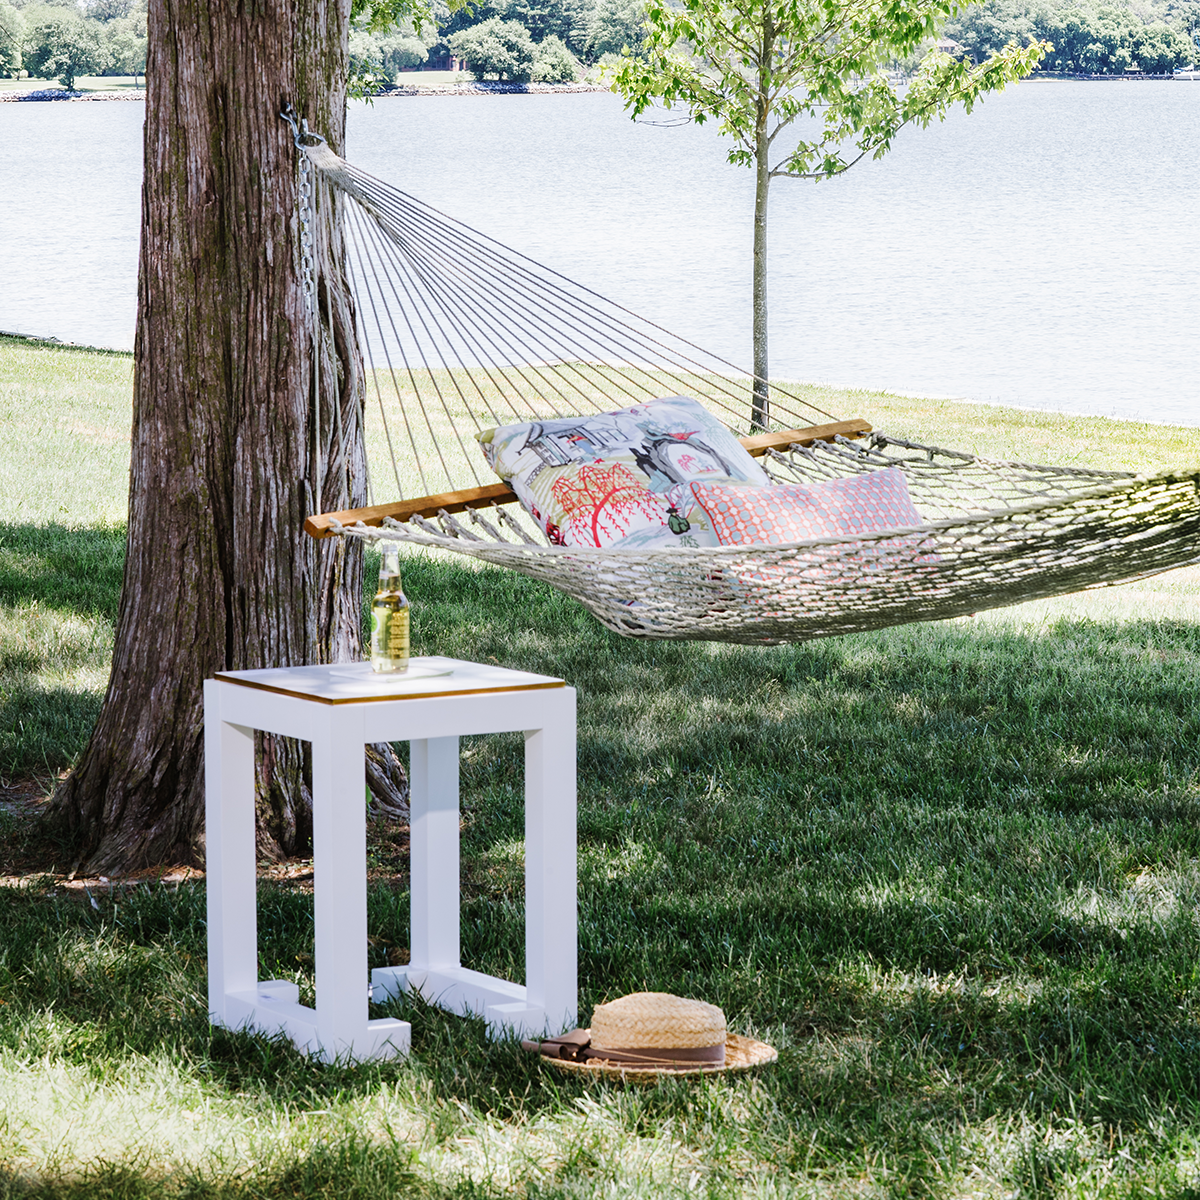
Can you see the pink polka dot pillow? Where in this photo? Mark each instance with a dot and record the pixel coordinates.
(793, 512)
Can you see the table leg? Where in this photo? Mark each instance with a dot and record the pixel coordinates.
(229, 857)
(340, 883)
(434, 856)
(551, 967)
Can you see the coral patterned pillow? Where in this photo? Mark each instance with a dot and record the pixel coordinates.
(621, 477)
(742, 516)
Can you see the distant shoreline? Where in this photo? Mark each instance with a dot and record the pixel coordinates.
(496, 88)
(486, 88)
(53, 343)
(59, 96)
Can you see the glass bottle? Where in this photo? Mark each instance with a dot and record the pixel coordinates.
(389, 617)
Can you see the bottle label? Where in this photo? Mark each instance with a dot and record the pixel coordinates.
(389, 635)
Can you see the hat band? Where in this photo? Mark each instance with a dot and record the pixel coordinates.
(576, 1046)
(660, 1056)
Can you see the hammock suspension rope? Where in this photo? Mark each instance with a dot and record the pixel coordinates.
(459, 333)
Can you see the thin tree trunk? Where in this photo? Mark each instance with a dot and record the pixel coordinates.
(760, 414)
(224, 464)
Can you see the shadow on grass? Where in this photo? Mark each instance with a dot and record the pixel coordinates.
(42, 730)
(869, 1063)
(1100, 1025)
(75, 570)
(950, 870)
(59, 592)
(349, 1169)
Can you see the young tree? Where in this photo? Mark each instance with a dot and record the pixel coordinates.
(126, 46)
(982, 29)
(12, 35)
(401, 50)
(553, 62)
(475, 12)
(65, 48)
(563, 19)
(1158, 49)
(496, 47)
(816, 68)
(616, 27)
(107, 10)
(238, 409)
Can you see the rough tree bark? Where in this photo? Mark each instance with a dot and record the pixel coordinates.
(218, 574)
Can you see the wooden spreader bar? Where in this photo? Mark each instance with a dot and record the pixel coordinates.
(420, 506)
(760, 443)
(320, 525)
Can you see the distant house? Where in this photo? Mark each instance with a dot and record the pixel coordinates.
(440, 59)
(949, 46)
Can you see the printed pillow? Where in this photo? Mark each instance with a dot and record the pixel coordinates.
(742, 516)
(621, 477)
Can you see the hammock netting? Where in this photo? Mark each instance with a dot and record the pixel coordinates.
(460, 333)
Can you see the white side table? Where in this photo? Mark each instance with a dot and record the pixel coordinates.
(339, 710)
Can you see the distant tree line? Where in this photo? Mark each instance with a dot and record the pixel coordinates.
(551, 41)
(60, 39)
(556, 41)
(542, 40)
(1089, 38)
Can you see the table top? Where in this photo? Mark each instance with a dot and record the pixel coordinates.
(428, 677)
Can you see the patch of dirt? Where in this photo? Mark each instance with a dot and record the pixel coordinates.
(31, 858)
(26, 852)
(29, 790)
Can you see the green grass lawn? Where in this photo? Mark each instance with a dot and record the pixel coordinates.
(951, 871)
(84, 83)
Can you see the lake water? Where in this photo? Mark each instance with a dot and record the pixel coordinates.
(1040, 252)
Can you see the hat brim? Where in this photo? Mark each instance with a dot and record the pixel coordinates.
(741, 1054)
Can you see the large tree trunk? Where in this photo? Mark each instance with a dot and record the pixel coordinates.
(218, 574)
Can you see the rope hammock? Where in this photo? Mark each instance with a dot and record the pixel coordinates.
(459, 333)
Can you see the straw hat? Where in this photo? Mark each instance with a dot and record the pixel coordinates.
(654, 1033)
